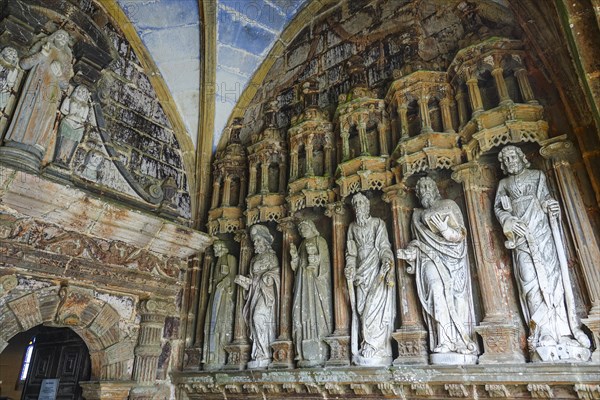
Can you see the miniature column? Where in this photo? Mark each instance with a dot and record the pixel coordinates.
(560, 152)
(412, 336)
(294, 164)
(403, 113)
(524, 86)
(226, 191)
(345, 135)
(308, 145)
(328, 158)
(239, 350)
(362, 137)
(252, 184)
(462, 107)
(446, 115)
(382, 129)
(282, 176)
(479, 182)
(339, 341)
(264, 175)
(283, 351)
(153, 313)
(474, 94)
(243, 184)
(498, 74)
(424, 114)
(215, 193)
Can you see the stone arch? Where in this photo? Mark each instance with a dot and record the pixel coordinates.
(94, 320)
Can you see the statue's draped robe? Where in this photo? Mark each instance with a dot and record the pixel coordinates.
(443, 280)
(218, 326)
(34, 117)
(528, 193)
(260, 309)
(312, 306)
(375, 301)
(71, 128)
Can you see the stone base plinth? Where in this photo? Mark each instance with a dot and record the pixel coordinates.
(283, 354)
(339, 346)
(20, 156)
(412, 346)
(453, 359)
(105, 390)
(191, 358)
(561, 353)
(500, 343)
(238, 355)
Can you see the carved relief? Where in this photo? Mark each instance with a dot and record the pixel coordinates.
(70, 131)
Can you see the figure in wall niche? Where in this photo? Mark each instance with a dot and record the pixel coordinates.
(9, 71)
(70, 131)
(218, 325)
(370, 275)
(50, 69)
(530, 219)
(312, 305)
(262, 291)
(438, 258)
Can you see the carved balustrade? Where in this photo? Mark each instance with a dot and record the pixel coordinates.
(229, 185)
(267, 182)
(311, 153)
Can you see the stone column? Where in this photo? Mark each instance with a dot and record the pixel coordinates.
(462, 107)
(382, 129)
(412, 336)
(524, 86)
(328, 155)
(239, 349)
(215, 193)
(474, 95)
(339, 341)
(424, 114)
(190, 306)
(153, 313)
(283, 351)
(226, 191)
(252, 180)
(103, 390)
(446, 115)
(243, 184)
(282, 176)
(264, 176)
(561, 152)
(403, 113)
(498, 74)
(500, 334)
(294, 165)
(308, 146)
(203, 297)
(362, 138)
(345, 135)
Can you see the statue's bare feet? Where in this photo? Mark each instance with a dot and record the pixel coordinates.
(442, 348)
(547, 340)
(368, 351)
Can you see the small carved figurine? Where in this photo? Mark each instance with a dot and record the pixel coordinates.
(9, 70)
(70, 131)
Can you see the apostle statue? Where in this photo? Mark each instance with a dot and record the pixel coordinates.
(370, 274)
(262, 292)
(9, 71)
(70, 131)
(50, 70)
(438, 258)
(312, 305)
(218, 325)
(530, 219)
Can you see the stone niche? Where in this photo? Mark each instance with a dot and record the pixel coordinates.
(393, 92)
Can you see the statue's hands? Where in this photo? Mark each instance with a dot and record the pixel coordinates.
(350, 272)
(516, 226)
(439, 223)
(293, 251)
(552, 208)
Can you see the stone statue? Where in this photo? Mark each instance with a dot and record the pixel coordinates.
(370, 275)
(70, 131)
(262, 296)
(9, 71)
(312, 305)
(50, 70)
(94, 159)
(438, 257)
(530, 219)
(218, 325)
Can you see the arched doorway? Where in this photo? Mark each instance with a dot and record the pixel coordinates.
(36, 357)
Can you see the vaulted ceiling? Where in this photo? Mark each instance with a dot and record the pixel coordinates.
(171, 31)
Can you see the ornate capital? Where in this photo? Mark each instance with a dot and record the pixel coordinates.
(558, 149)
(474, 176)
(333, 209)
(157, 306)
(395, 193)
(287, 225)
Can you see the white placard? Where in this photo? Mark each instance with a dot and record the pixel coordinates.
(49, 389)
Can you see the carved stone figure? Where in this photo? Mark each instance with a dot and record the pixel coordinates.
(369, 271)
(70, 131)
(9, 70)
(438, 257)
(50, 70)
(530, 219)
(218, 325)
(93, 161)
(262, 286)
(312, 305)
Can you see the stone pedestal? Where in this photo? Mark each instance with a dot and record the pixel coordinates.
(283, 354)
(501, 343)
(339, 346)
(412, 346)
(105, 390)
(238, 354)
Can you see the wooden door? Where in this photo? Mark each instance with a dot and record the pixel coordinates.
(58, 353)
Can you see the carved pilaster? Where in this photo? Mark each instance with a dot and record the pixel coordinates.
(498, 74)
(524, 86)
(462, 108)
(500, 334)
(239, 349)
(412, 336)
(474, 95)
(446, 115)
(102, 390)
(424, 114)
(560, 152)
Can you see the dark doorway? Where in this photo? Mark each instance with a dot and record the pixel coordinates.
(57, 353)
